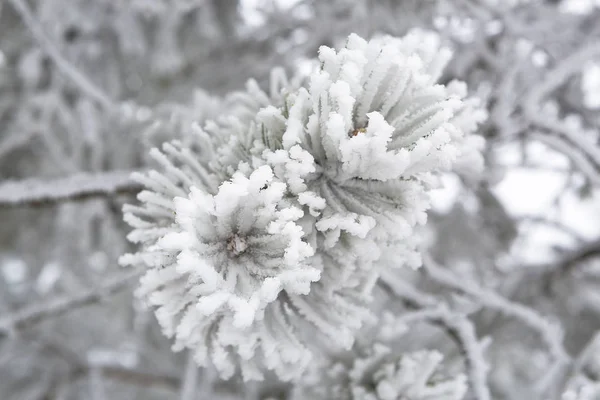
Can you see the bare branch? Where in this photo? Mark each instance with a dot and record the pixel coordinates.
(37, 192)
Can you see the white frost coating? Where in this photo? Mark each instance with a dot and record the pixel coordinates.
(224, 261)
(272, 218)
(239, 249)
(377, 125)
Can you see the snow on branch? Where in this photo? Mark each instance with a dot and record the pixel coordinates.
(38, 192)
(56, 307)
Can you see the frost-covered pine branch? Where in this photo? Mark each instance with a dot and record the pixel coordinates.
(272, 218)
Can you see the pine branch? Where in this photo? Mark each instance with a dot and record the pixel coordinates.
(33, 314)
(81, 186)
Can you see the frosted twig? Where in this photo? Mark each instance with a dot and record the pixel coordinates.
(463, 331)
(583, 152)
(190, 379)
(473, 351)
(37, 192)
(551, 334)
(570, 261)
(56, 307)
(459, 327)
(562, 71)
(580, 154)
(62, 63)
(407, 292)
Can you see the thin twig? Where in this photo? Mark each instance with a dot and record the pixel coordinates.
(190, 380)
(81, 186)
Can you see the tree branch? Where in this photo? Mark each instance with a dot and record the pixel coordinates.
(81, 186)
